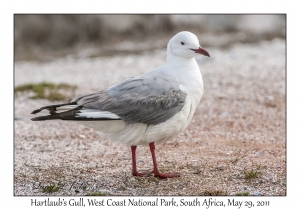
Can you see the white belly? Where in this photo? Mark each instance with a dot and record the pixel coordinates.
(142, 134)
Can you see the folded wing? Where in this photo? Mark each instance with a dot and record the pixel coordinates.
(148, 99)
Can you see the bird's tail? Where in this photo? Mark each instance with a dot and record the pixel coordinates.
(54, 111)
(72, 111)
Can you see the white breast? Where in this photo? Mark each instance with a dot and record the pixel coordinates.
(142, 134)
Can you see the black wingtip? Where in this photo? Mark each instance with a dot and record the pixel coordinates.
(40, 118)
(35, 119)
(52, 108)
(36, 111)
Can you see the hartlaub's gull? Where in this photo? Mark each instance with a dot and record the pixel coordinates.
(147, 109)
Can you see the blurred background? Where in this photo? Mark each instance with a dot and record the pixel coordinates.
(63, 34)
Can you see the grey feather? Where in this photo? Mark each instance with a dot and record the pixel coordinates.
(149, 99)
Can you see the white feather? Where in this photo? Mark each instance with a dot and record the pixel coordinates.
(94, 113)
(65, 108)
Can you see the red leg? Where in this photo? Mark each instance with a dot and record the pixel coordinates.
(155, 171)
(134, 169)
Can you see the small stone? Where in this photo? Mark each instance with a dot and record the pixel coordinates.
(223, 114)
(269, 101)
(270, 98)
(220, 167)
(257, 193)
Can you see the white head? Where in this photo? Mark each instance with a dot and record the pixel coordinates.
(185, 44)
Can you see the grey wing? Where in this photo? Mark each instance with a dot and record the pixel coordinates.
(148, 99)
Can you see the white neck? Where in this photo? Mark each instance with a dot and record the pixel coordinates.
(186, 71)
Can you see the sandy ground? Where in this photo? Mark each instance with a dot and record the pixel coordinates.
(239, 126)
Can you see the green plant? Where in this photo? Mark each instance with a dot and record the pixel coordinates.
(250, 174)
(50, 188)
(96, 194)
(46, 90)
(153, 179)
(214, 193)
(242, 194)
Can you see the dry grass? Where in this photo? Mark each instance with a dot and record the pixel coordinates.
(235, 144)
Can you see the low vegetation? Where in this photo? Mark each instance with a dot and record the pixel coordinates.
(215, 193)
(46, 90)
(242, 194)
(96, 194)
(250, 174)
(51, 188)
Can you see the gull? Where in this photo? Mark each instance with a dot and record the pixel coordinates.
(151, 108)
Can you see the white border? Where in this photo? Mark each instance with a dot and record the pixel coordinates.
(212, 6)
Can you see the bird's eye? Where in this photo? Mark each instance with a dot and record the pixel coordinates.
(182, 43)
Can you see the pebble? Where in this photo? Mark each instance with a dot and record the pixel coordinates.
(221, 166)
(270, 98)
(223, 114)
(257, 193)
